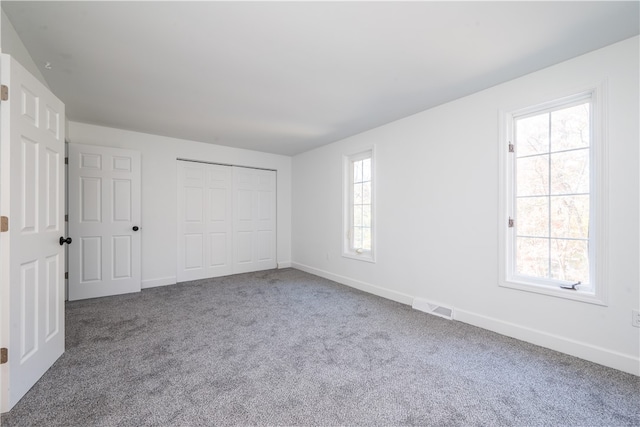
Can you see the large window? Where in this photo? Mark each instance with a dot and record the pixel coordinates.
(553, 201)
(359, 207)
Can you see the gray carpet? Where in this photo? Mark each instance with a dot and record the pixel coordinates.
(288, 348)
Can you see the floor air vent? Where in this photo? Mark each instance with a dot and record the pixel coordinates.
(432, 308)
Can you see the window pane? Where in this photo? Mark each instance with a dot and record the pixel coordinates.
(532, 176)
(570, 172)
(366, 170)
(551, 196)
(532, 257)
(357, 194)
(570, 260)
(366, 216)
(366, 193)
(357, 171)
(357, 215)
(532, 135)
(570, 128)
(358, 218)
(357, 237)
(532, 217)
(366, 239)
(570, 216)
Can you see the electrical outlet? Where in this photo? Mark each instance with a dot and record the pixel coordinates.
(635, 318)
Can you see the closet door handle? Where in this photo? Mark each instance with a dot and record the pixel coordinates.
(63, 241)
(136, 228)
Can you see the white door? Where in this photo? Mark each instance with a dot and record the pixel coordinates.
(254, 225)
(32, 257)
(104, 221)
(204, 221)
(226, 220)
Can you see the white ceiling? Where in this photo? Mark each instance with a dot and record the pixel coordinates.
(286, 77)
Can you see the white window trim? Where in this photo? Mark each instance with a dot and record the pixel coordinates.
(598, 197)
(347, 176)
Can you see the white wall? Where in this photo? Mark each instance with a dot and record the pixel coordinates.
(159, 190)
(11, 44)
(437, 210)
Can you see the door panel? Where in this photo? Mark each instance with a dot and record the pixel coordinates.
(104, 206)
(52, 184)
(90, 259)
(29, 318)
(122, 257)
(193, 251)
(204, 221)
(29, 164)
(53, 288)
(265, 239)
(255, 219)
(90, 199)
(122, 208)
(32, 196)
(218, 249)
(244, 247)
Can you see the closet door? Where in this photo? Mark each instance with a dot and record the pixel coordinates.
(204, 221)
(254, 220)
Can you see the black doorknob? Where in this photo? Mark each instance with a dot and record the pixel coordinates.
(136, 228)
(63, 241)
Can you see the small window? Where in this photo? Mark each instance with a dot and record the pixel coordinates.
(551, 198)
(359, 206)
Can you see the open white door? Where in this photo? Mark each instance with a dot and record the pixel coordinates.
(32, 257)
(104, 221)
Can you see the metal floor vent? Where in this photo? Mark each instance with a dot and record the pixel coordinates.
(432, 308)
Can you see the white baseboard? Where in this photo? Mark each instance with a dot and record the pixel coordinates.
(163, 281)
(285, 264)
(363, 286)
(602, 356)
(623, 362)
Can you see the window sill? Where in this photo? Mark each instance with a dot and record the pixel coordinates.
(550, 290)
(368, 257)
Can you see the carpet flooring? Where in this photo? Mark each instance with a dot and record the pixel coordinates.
(284, 347)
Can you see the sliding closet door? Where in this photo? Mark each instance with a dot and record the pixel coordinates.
(204, 221)
(254, 224)
(226, 220)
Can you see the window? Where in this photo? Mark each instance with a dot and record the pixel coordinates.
(359, 206)
(553, 199)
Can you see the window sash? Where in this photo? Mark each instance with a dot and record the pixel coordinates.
(596, 239)
(546, 257)
(359, 210)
